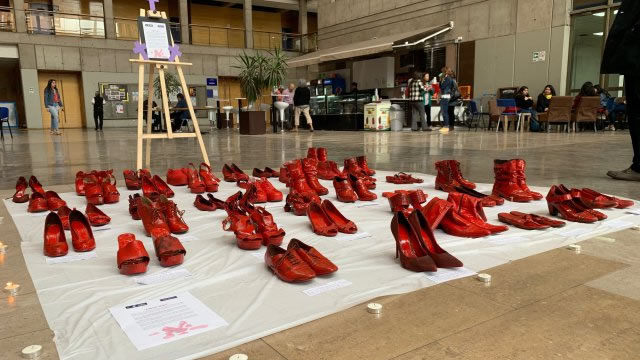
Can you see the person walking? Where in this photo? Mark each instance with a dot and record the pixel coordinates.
(428, 93)
(416, 101)
(301, 99)
(98, 111)
(447, 88)
(288, 98)
(53, 103)
(620, 56)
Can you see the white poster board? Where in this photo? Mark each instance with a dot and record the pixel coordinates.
(155, 35)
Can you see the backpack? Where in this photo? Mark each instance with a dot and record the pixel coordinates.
(456, 97)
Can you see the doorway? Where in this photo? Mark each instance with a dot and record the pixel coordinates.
(70, 90)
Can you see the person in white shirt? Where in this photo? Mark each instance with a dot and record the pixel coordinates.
(287, 96)
(98, 110)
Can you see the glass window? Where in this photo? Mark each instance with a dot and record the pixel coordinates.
(583, 4)
(587, 39)
(614, 83)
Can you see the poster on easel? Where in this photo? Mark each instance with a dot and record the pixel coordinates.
(156, 35)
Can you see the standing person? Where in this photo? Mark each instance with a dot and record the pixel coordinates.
(446, 90)
(428, 93)
(53, 103)
(544, 99)
(524, 103)
(98, 111)
(620, 56)
(416, 101)
(301, 99)
(288, 98)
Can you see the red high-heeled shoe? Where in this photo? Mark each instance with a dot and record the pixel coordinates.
(93, 190)
(362, 163)
(55, 242)
(203, 204)
(560, 202)
(358, 186)
(287, 264)
(428, 241)
(80, 183)
(134, 204)
(173, 215)
(20, 195)
(54, 202)
(196, 185)
(398, 202)
(243, 229)
(35, 185)
(227, 174)
(211, 182)
(321, 223)
(131, 180)
(109, 190)
(63, 213)
(153, 219)
(37, 203)
(269, 230)
(169, 250)
(132, 256)
(95, 216)
(344, 191)
(273, 194)
(177, 177)
(162, 186)
(81, 235)
(149, 189)
(343, 224)
(412, 255)
(318, 262)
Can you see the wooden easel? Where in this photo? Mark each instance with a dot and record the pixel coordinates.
(161, 66)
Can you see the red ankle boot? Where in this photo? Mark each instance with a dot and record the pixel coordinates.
(362, 163)
(312, 153)
(153, 219)
(297, 179)
(134, 204)
(344, 191)
(310, 169)
(506, 182)
(360, 188)
(470, 208)
(439, 213)
(457, 175)
(522, 180)
(173, 215)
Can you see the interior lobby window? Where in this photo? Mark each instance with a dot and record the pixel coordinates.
(587, 39)
(583, 4)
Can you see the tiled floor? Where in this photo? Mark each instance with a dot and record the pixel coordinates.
(552, 305)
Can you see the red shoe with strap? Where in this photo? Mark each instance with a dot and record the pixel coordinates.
(211, 182)
(287, 264)
(596, 200)
(343, 224)
(20, 195)
(321, 223)
(93, 190)
(316, 261)
(55, 241)
(169, 250)
(132, 256)
(243, 229)
(562, 202)
(299, 203)
(54, 202)
(81, 234)
(576, 194)
(95, 216)
(134, 204)
(344, 191)
(109, 190)
(132, 180)
(37, 203)
(403, 178)
(177, 177)
(358, 186)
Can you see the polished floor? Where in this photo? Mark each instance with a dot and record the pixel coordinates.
(556, 304)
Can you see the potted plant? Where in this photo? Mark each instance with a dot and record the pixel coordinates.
(259, 73)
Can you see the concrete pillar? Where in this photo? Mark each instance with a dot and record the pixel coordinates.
(184, 21)
(109, 24)
(21, 23)
(248, 24)
(302, 17)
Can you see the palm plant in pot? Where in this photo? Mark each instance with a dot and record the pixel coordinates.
(259, 74)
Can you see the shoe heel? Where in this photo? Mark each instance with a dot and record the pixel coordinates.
(552, 210)
(397, 250)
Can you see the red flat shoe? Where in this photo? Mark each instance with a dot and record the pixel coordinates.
(196, 185)
(203, 204)
(321, 223)
(269, 172)
(177, 177)
(109, 190)
(258, 173)
(287, 264)
(93, 190)
(211, 182)
(173, 215)
(273, 194)
(217, 202)
(561, 202)
(344, 191)
(20, 195)
(55, 242)
(310, 169)
(153, 219)
(169, 250)
(312, 153)
(63, 213)
(37, 203)
(149, 189)
(162, 186)
(240, 175)
(408, 247)
(316, 261)
(358, 186)
(343, 224)
(541, 219)
(362, 163)
(132, 256)
(525, 222)
(245, 232)
(81, 234)
(428, 241)
(134, 204)
(35, 185)
(596, 200)
(95, 216)
(131, 180)
(403, 178)
(80, 183)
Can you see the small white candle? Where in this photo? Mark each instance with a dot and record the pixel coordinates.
(32, 352)
(12, 288)
(3, 248)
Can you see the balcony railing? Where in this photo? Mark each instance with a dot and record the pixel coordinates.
(7, 20)
(217, 36)
(127, 29)
(234, 38)
(59, 23)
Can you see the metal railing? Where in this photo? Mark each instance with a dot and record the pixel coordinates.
(217, 36)
(127, 29)
(59, 23)
(7, 19)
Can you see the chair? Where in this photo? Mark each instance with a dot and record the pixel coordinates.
(559, 112)
(4, 118)
(587, 111)
(510, 110)
(474, 114)
(494, 113)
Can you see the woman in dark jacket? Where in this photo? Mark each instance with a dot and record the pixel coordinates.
(544, 99)
(301, 99)
(446, 90)
(524, 103)
(53, 103)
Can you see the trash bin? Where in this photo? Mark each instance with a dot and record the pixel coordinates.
(396, 115)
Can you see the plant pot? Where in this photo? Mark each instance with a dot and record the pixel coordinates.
(253, 123)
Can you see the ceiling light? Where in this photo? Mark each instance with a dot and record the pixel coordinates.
(598, 33)
(599, 14)
(615, 12)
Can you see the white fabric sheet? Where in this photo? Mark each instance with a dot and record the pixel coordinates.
(236, 284)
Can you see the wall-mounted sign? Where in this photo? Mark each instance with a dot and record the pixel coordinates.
(114, 92)
(212, 82)
(539, 56)
(154, 33)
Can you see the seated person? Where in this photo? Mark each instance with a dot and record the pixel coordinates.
(179, 116)
(155, 115)
(524, 102)
(544, 99)
(610, 106)
(587, 89)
